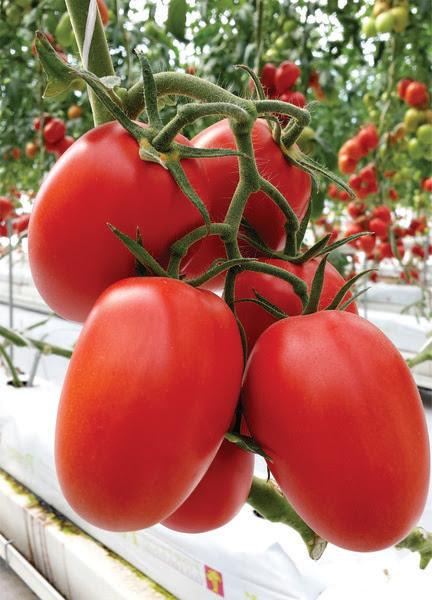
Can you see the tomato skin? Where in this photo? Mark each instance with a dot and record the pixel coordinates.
(220, 494)
(416, 94)
(255, 319)
(6, 208)
(349, 441)
(54, 131)
(138, 425)
(378, 227)
(103, 11)
(100, 180)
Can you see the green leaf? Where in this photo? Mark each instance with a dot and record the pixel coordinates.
(247, 443)
(176, 22)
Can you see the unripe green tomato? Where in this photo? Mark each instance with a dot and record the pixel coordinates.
(271, 54)
(382, 151)
(369, 27)
(63, 31)
(13, 15)
(427, 153)
(424, 134)
(306, 140)
(414, 148)
(384, 22)
(369, 99)
(379, 7)
(280, 43)
(400, 15)
(413, 118)
(374, 114)
(288, 26)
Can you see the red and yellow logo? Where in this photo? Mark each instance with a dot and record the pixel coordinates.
(214, 580)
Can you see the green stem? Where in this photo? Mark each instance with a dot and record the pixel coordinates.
(266, 498)
(259, 34)
(150, 94)
(99, 60)
(14, 373)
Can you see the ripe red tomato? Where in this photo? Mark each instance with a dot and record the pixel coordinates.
(16, 153)
(74, 111)
(286, 75)
(268, 75)
(346, 165)
(60, 147)
(219, 495)
(137, 428)
(366, 243)
(416, 94)
(382, 212)
(332, 402)
(353, 149)
(21, 223)
(402, 87)
(6, 208)
(255, 319)
(296, 98)
(103, 11)
(379, 227)
(368, 138)
(262, 214)
(54, 131)
(100, 180)
(355, 209)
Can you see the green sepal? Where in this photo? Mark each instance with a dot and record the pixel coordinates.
(247, 443)
(218, 268)
(268, 306)
(182, 181)
(303, 224)
(319, 248)
(353, 298)
(139, 253)
(344, 241)
(316, 288)
(140, 269)
(60, 75)
(334, 304)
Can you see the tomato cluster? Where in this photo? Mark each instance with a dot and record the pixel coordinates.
(386, 17)
(356, 148)
(54, 136)
(7, 212)
(417, 118)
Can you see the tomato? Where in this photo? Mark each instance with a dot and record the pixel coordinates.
(379, 227)
(268, 75)
(286, 76)
(16, 153)
(6, 208)
(385, 22)
(353, 149)
(261, 213)
(332, 191)
(402, 87)
(368, 27)
(255, 319)
(296, 98)
(101, 179)
(366, 243)
(74, 111)
(368, 138)
(21, 223)
(37, 121)
(60, 147)
(382, 212)
(346, 164)
(103, 11)
(355, 209)
(220, 494)
(393, 195)
(31, 149)
(137, 426)
(332, 402)
(54, 131)
(427, 184)
(416, 94)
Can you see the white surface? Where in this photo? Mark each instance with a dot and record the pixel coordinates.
(256, 559)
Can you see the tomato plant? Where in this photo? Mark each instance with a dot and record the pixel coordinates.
(332, 402)
(136, 428)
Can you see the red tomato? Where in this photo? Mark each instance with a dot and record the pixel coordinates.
(346, 164)
(63, 145)
(402, 87)
(73, 255)
(355, 209)
(21, 223)
(262, 214)
(54, 131)
(332, 191)
(332, 402)
(219, 495)
(418, 250)
(255, 319)
(286, 76)
(416, 94)
(103, 11)
(37, 121)
(353, 149)
(368, 138)
(137, 428)
(366, 243)
(6, 208)
(15, 153)
(379, 227)
(427, 184)
(382, 212)
(268, 75)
